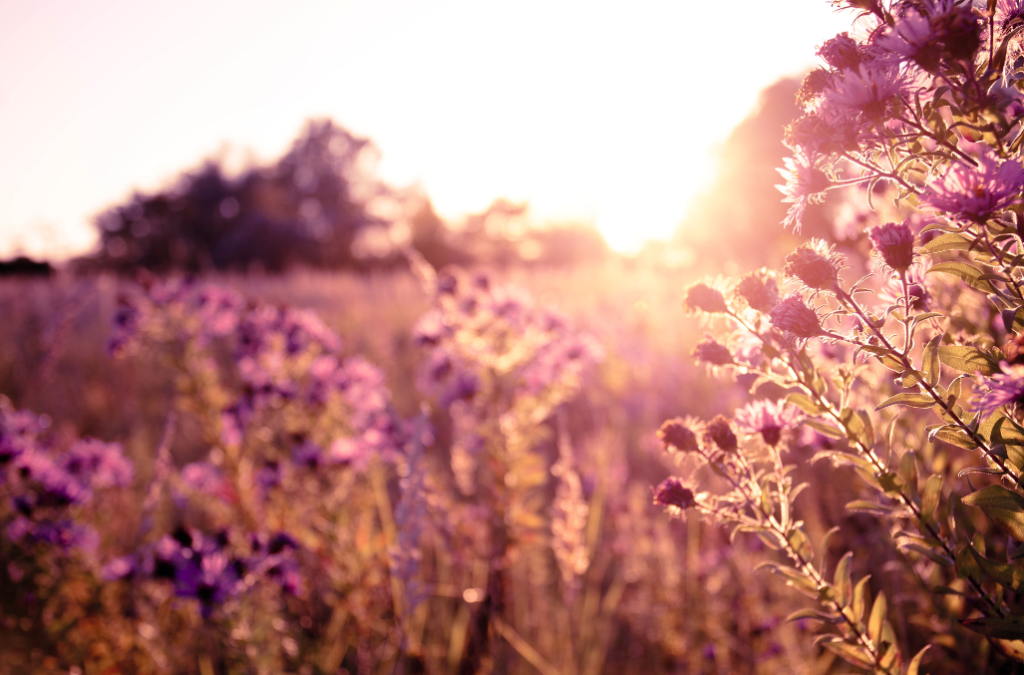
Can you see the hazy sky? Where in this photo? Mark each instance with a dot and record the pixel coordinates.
(590, 110)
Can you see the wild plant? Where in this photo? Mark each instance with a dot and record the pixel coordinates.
(908, 375)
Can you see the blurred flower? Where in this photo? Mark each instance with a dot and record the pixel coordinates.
(676, 434)
(1002, 389)
(805, 184)
(704, 298)
(815, 263)
(759, 290)
(672, 492)
(976, 192)
(708, 350)
(841, 52)
(869, 90)
(719, 432)
(768, 418)
(98, 464)
(895, 243)
(793, 316)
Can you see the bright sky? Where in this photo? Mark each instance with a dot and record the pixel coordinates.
(590, 110)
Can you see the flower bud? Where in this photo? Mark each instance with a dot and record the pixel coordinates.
(705, 298)
(710, 351)
(816, 264)
(793, 316)
(759, 290)
(675, 433)
(721, 434)
(672, 492)
(895, 243)
(841, 52)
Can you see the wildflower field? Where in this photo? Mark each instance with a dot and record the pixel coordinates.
(605, 468)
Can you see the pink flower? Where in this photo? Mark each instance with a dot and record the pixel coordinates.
(976, 192)
(768, 418)
(1005, 388)
(869, 91)
(895, 243)
(805, 184)
(793, 316)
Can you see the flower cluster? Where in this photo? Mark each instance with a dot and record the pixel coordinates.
(43, 487)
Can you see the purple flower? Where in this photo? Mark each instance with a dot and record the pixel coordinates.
(1002, 389)
(976, 192)
(672, 492)
(704, 298)
(768, 418)
(202, 477)
(841, 52)
(98, 464)
(895, 243)
(935, 32)
(867, 90)
(793, 316)
(712, 352)
(805, 184)
(120, 568)
(759, 290)
(816, 264)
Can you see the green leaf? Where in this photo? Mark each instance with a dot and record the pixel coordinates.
(794, 578)
(828, 429)
(954, 436)
(1013, 319)
(865, 506)
(1003, 506)
(1010, 576)
(931, 361)
(812, 614)
(1003, 627)
(860, 598)
(877, 620)
(908, 471)
(907, 399)
(914, 666)
(953, 241)
(841, 580)
(968, 273)
(930, 495)
(968, 359)
(851, 653)
(804, 402)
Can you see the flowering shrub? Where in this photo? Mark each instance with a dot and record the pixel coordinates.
(909, 375)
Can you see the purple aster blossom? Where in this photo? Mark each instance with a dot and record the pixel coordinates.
(202, 477)
(841, 52)
(120, 568)
(976, 192)
(912, 38)
(920, 298)
(895, 243)
(53, 485)
(815, 263)
(210, 578)
(1005, 388)
(429, 330)
(671, 492)
(869, 91)
(793, 316)
(307, 454)
(98, 464)
(712, 352)
(805, 184)
(768, 418)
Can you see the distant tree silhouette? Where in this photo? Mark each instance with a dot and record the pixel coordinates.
(739, 217)
(306, 208)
